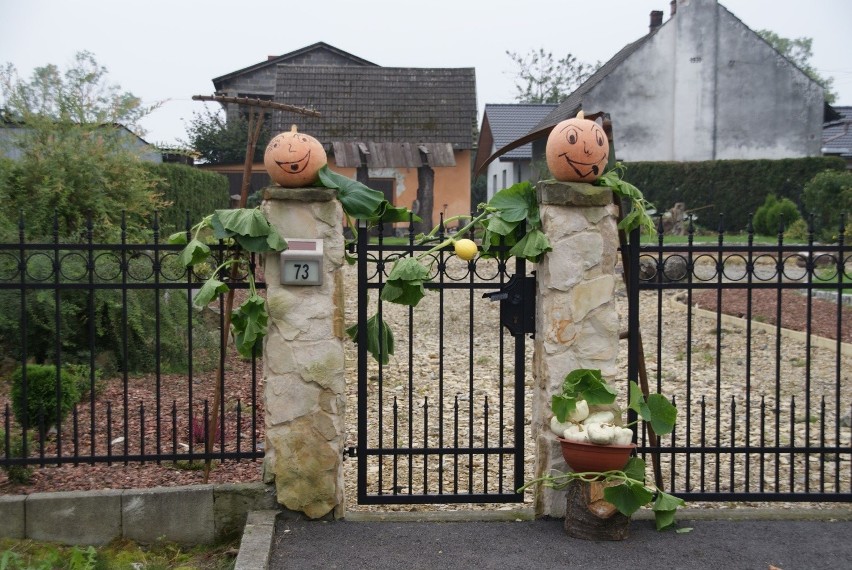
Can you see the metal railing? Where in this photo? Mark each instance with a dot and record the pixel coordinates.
(129, 363)
(763, 412)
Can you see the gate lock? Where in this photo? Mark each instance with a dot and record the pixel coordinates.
(517, 304)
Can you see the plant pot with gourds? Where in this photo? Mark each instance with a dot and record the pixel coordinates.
(599, 449)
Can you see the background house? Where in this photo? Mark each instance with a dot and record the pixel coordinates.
(701, 86)
(11, 132)
(502, 124)
(390, 122)
(837, 136)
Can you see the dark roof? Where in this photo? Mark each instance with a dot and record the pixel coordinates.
(380, 104)
(511, 122)
(299, 55)
(574, 103)
(837, 135)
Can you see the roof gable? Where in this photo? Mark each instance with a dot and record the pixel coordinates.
(318, 53)
(380, 104)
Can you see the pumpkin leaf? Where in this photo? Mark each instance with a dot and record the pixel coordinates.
(211, 288)
(513, 203)
(665, 507)
(358, 201)
(392, 213)
(635, 469)
(249, 325)
(663, 414)
(532, 246)
(628, 497)
(380, 342)
(562, 406)
(243, 222)
(194, 253)
(177, 238)
(405, 282)
(656, 410)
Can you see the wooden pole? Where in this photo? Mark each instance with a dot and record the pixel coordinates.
(255, 126)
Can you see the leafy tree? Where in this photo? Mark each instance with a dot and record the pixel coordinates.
(220, 141)
(799, 51)
(541, 79)
(77, 153)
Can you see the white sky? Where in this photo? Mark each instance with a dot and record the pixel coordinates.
(171, 50)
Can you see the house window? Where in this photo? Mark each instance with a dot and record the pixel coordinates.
(494, 185)
(504, 178)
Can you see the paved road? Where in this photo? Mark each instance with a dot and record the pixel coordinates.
(543, 544)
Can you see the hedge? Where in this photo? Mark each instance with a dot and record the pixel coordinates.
(188, 188)
(735, 188)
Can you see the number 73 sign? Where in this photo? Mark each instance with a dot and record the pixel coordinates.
(301, 262)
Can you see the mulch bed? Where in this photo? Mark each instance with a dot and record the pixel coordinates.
(763, 305)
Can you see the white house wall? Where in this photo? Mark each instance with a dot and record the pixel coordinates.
(705, 87)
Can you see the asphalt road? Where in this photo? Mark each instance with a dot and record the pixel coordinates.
(543, 544)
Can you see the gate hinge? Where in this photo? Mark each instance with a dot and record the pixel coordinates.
(350, 452)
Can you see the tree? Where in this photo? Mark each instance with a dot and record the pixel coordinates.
(77, 154)
(799, 51)
(541, 79)
(222, 142)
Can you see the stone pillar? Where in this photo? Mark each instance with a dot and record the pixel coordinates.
(303, 370)
(576, 320)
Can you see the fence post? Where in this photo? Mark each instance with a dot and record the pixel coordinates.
(303, 370)
(576, 319)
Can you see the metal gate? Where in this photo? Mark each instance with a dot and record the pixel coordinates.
(441, 419)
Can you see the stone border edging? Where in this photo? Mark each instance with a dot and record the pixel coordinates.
(818, 341)
(190, 515)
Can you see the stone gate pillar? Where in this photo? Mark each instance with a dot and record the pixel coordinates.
(576, 319)
(303, 369)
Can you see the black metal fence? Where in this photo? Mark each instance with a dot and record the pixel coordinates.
(753, 343)
(442, 419)
(107, 359)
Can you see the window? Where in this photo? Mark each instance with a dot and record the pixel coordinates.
(504, 178)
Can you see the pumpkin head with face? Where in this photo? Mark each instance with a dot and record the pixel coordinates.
(294, 159)
(577, 150)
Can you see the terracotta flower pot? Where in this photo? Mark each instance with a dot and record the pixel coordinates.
(582, 457)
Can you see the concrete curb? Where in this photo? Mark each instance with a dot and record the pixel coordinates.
(189, 515)
(256, 544)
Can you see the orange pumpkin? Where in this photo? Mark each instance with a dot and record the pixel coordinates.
(294, 159)
(577, 150)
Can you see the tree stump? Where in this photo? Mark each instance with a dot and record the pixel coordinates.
(590, 517)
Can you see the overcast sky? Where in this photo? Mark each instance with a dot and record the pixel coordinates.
(171, 50)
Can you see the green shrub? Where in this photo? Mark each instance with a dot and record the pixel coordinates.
(769, 217)
(735, 188)
(16, 473)
(826, 196)
(41, 395)
(187, 188)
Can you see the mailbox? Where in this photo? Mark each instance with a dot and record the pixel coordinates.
(301, 262)
(517, 304)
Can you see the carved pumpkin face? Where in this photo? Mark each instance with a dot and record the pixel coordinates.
(293, 159)
(577, 150)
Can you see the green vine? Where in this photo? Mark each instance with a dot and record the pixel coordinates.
(629, 493)
(638, 216)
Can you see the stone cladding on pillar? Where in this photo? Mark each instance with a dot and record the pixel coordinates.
(303, 370)
(576, 320)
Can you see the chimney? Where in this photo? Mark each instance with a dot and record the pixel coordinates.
(656, 19)
(271, 57)
(673, 5)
